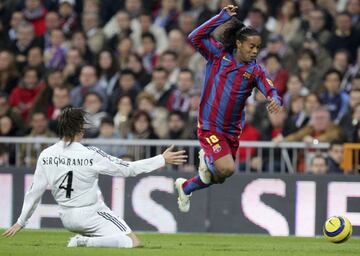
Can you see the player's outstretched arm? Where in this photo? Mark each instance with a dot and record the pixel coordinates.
(12, 230)
(114, 166)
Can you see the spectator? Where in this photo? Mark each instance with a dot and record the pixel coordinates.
(78, 41)
(25, 41)
(159, 115)
(320, 129)
(43, 101)
(180, 98)
(335, 157)
(55, 54)
(68, 18)
(353, 8)
(300, 120)
(108, 70)
(248, 133)
(6, 110)
(336, 100)
(323, 59)
(120, 30)
(7, 150)
(60, 100)
(8, 74)
(193, 111)
(135, 65)
(167, 15)
(124, 49)
(277, 45)
(148, 51)
(288, 22)
(341, 62)
(352, 75)
(141, 128)
(187, 23)
(352, 126)
(92, 105)
(29, 152)
(35, 59)
(73, 65)
(277, 73)
(306, 68)
(122, 117)
(24, 94)
(256, 18)
(144, 24)
(295, 88)
(200, 11)
(88, 83)
(107, 131)
(348, 120)
(17, 18)
(35, 13)
(127, 85)
(318, 165)
(344, 36)
(52, 21)
(133, 7)
(177, 127)
(159, 87)
(305, 8)
(315, 29)
(95, 37)
(169, 61)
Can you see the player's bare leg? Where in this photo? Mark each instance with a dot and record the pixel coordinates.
(224, 168)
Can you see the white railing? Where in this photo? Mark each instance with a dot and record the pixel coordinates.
(282, 157)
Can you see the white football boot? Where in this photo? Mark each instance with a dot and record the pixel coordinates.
(78, 241)
(183, 199)
(204, 173)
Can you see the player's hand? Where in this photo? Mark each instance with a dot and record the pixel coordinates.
(174, 157)
(231, 9)
(13, 230)
(273, 107)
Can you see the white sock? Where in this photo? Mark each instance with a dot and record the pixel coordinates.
(119, 241)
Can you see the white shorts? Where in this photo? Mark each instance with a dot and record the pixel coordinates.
(94, 220)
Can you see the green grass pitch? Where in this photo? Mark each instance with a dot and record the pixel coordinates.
(53, 243)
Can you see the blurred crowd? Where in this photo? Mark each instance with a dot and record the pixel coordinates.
(128, 63)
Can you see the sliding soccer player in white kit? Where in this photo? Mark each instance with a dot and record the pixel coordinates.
(71, 170)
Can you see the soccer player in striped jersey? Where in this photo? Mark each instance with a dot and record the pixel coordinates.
(71, 170)
(231, 74)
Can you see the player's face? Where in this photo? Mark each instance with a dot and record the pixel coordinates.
(249, 49)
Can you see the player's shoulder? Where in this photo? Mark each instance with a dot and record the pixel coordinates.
(96, 151)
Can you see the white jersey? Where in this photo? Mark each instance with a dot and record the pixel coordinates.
(72, 173)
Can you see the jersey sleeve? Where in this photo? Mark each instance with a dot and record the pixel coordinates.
(266, 85)
(202, 41)
(110, 165)
(33, 196)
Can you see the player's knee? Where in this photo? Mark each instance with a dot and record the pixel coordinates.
(227, 170)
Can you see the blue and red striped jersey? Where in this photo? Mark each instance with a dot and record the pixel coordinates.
(227, 83)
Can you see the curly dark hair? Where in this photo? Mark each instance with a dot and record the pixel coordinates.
(236, 31)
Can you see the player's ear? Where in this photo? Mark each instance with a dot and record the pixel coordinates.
(238, 43)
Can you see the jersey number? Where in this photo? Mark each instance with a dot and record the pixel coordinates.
(212, 139)
(69, 178)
